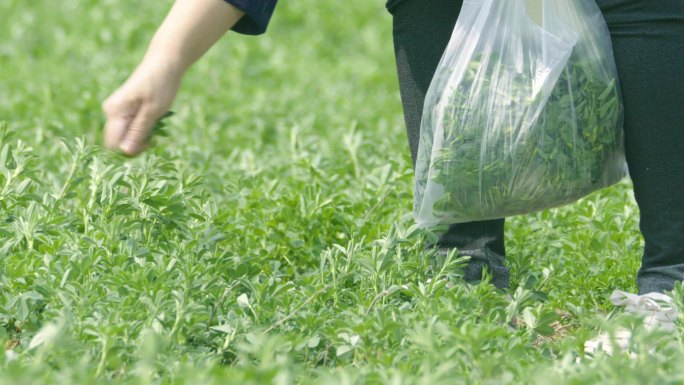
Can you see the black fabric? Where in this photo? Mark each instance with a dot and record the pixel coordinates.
(257, 15)
(648, 42)
(649, 51)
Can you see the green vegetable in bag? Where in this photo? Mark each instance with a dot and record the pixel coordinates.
(556, 151)
(521, 115)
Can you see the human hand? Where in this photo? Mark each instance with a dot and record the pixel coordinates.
(133, 110)
(189, 30)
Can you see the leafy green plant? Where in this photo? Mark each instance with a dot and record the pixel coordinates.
(503, 156)
(269, 239)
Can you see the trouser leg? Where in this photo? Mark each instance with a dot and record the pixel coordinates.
(648, 40)
(422, 29)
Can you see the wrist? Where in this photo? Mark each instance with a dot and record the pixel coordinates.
(166, 61)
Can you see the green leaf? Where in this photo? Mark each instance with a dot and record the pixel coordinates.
(343, 349)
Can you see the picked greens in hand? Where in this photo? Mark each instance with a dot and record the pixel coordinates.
(158, 128)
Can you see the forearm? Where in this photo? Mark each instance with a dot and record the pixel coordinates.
(189, 30)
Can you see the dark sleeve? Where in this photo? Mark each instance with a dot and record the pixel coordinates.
(257, 15)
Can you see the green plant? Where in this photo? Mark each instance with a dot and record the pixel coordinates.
(268, 239)
(506, 152)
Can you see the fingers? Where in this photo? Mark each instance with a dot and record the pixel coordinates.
(137, 136)
(128, 126)
(132, 110)
(116, 125)
(115, 129)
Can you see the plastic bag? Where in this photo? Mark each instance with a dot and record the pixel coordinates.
(520, 115)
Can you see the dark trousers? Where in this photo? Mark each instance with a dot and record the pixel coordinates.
(648, 41)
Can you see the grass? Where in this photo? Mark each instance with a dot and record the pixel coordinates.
(269, 238)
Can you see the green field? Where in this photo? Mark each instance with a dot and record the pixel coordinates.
(269, 239)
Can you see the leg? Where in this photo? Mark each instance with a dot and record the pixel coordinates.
(648, 40)
(422, 29)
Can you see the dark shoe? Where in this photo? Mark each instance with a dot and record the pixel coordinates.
(479, 259)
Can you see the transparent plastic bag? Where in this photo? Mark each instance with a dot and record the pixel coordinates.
(521, 115)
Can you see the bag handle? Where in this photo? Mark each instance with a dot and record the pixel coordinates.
(535, 9)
